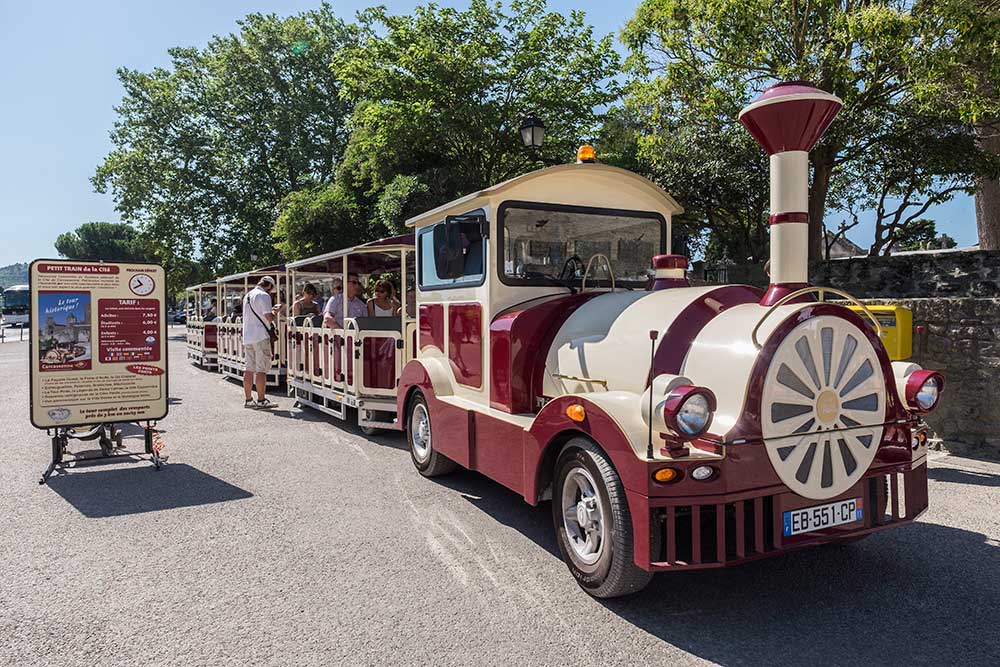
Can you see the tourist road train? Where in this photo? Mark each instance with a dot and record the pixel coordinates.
(546, 337)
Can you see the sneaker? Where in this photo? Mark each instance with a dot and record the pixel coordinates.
(248, 403)
(264, 403)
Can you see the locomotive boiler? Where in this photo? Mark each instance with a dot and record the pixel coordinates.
(672, 426)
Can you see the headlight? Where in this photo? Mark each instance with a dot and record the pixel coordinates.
(694, 414)
(927, 395)
(687, 411)
(923, 390)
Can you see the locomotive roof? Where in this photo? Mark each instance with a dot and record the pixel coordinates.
(580, 174)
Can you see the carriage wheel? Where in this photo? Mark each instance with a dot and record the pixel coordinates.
(592, 522)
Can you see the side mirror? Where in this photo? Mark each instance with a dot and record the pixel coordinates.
(448, 256)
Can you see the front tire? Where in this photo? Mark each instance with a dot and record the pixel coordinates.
(593, 524)
(425, 458)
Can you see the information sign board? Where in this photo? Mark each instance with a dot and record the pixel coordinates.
(98, 343)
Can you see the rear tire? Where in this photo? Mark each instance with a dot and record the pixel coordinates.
(593, 524)
(426, 459)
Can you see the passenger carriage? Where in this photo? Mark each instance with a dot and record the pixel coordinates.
(231, 292)
(673, 427)
(202, 329)
(351, 371)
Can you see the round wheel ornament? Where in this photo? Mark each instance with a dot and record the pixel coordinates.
(583, 516)
(823, 407)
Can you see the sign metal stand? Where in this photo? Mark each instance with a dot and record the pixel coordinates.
(110, 439)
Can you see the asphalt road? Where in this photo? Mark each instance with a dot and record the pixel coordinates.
(289, 539)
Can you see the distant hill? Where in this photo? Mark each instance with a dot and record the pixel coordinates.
(13, 274)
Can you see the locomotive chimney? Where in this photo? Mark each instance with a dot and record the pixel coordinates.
(787, 120)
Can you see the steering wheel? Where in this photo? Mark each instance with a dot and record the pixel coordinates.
(570, 267)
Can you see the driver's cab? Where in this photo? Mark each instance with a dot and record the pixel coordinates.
(570, 229)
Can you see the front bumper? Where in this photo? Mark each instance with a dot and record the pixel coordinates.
(702, 532)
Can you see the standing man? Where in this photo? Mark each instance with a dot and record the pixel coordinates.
(356, 307)
(258, 319)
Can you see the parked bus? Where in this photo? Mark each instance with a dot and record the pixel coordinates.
(16, 308)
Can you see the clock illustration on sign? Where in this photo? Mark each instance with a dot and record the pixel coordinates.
(141, 284)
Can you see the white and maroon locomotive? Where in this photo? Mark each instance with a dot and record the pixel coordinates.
(673, 427)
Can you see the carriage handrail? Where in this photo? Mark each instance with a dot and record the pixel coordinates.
(822, 293)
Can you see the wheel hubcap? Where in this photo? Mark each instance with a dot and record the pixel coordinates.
(420, 433)
(583, 516)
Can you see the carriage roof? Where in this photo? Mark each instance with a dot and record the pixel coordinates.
(386, 245)
(254, 273)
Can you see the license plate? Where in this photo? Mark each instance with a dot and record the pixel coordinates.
(809, 519)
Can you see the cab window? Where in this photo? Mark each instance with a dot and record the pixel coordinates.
(466, 265)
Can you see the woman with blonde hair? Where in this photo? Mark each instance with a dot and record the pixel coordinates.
(384, 303)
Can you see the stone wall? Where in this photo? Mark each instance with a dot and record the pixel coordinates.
(960, 338)
(952, 274)
(955, 299)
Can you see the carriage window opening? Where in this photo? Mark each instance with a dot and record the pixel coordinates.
(545, 244)
(474, 260)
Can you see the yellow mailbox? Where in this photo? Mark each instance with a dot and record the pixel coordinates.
(897, 329)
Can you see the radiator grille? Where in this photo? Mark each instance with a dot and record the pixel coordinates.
(713, 534)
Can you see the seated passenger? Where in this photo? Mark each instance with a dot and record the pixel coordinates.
(384, 303)
(306, 304)
(333, 313)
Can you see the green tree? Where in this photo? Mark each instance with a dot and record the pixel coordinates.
(316, 220)
(206, 149)
(916, 234)
(117, 242)
(444, 91)
(966, 82)
(121, 242)
(695, 63)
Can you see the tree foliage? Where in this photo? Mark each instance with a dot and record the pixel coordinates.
(116, 242)
(206, 150)
(695, 63)
(441, 93)
(317, 220)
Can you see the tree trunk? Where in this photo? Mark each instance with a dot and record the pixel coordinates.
(822, 168)
(988, 191)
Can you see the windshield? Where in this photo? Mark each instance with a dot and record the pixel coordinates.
(546, 244)
(14, 300)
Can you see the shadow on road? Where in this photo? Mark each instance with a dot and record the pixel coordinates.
(963, 476)
(382, 437)
(504, 506)
(913, 596)
(101, 493)
(922, 594)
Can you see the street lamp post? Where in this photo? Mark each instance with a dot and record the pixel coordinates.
(533, 136)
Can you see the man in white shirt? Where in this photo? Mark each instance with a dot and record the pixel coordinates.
(258, 317)
(333, 313)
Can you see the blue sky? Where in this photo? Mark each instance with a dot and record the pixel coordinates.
(58, 88)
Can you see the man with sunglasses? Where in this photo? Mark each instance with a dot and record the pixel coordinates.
(333, 313)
